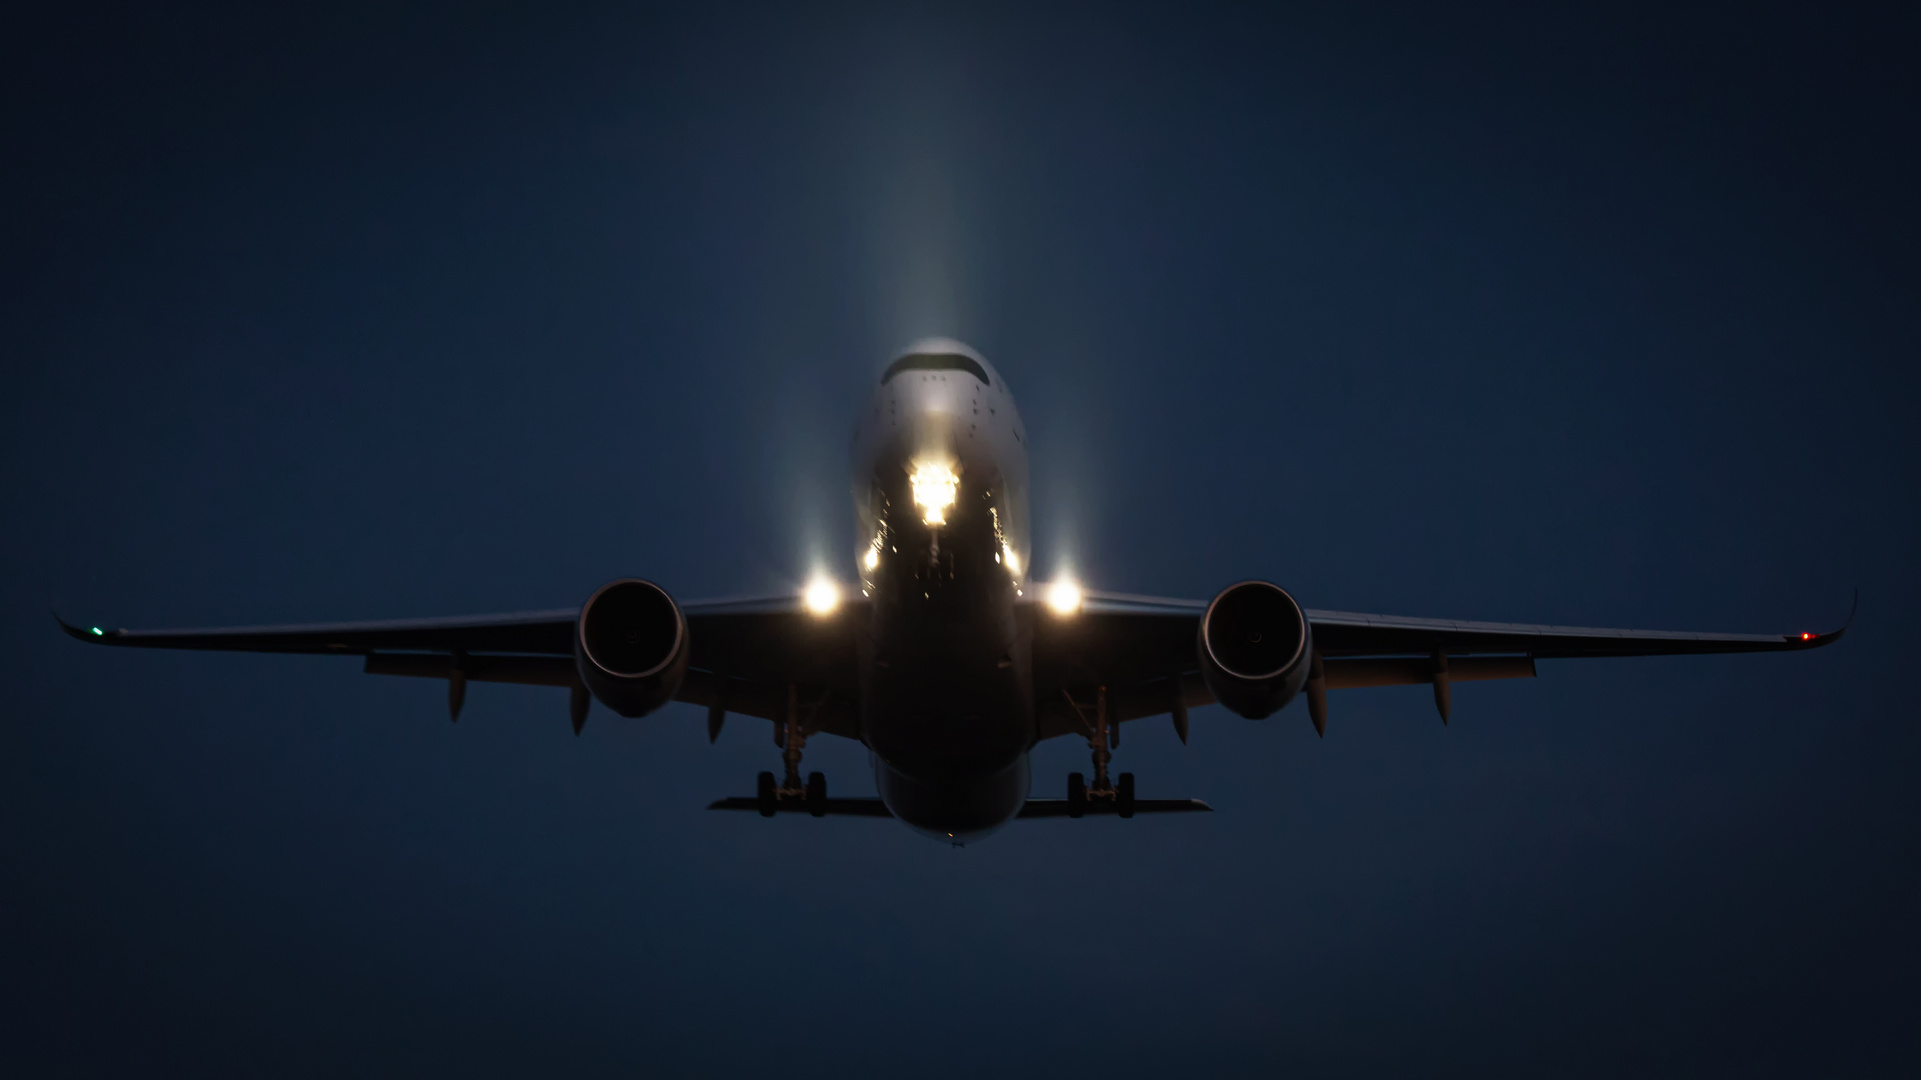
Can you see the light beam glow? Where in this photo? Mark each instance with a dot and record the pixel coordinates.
(821, 596)
(934, 488)
(1064, 596)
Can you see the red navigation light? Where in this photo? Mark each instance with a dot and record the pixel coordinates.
(1807, 637)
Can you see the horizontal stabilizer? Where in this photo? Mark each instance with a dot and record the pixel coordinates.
(869, 807)
(1035, 808)
(1038, 808)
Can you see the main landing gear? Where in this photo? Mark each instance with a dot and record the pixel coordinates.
(1103, 738)
(791, 736)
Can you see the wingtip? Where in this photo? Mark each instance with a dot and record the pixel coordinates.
(83, 633)
(1815, 641)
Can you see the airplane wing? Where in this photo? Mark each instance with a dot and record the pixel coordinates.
(748, 653)
(1142, 649)
(534, 633)
(767, 657)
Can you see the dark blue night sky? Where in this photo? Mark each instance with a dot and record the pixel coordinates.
(1604, 318)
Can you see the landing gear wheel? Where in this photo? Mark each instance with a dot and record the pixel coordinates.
(1124, 795)
(765, 794)
(1076, 794)
(816, 794)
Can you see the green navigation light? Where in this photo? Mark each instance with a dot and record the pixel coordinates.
(97, 633)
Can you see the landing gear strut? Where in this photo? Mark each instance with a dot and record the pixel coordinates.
(790, 735)
(1103, 738)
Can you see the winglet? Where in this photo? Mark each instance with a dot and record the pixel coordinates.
(92, 634)
(1815, 641)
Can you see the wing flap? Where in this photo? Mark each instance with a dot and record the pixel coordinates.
(1398, 671)
(523, 670)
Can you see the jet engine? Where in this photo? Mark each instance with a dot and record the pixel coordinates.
(1255, 648)
(630, 645)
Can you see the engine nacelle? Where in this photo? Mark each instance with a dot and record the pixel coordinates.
(1255, 648)
(630, 645)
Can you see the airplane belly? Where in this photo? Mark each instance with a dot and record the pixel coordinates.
(944, 720)
(955, 810)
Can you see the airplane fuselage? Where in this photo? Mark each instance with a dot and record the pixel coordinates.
(940, 493)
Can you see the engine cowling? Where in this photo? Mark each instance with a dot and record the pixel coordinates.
(630, 646)
(1255, 648)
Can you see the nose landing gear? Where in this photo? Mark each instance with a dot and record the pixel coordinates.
(1103, 738)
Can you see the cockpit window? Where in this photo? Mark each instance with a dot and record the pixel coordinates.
(935, 362)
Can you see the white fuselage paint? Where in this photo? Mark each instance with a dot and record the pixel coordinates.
(943, 413)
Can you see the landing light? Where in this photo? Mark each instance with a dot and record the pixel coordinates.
(934, 485)
(871, 559)
(821, 596)
(1064, 596)
(1013, 561)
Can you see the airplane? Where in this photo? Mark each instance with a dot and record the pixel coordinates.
(950, 662)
